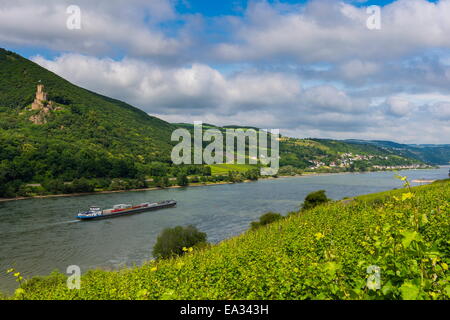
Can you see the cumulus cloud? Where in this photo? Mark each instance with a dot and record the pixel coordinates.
(440, 111)
(166, 89)
(399, 107)
(199, 89)
(333, 31)
(106, 26)
(329, 98)
(357, 69)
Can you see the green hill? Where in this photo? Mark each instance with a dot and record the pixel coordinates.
(429, 153)
(324, 253)
(329, 155)
(87, 135)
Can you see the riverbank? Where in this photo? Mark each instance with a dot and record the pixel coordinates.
(109, 192)
(305, 174)
(151, 189)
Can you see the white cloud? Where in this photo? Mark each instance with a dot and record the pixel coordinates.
(157, 88)
(440, 111)
(399, 107)
(328, 98)
(357, 69)
(331, 31)
(106, 26)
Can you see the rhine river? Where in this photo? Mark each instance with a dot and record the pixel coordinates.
(38, 236)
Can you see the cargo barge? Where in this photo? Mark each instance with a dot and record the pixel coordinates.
(95, 213)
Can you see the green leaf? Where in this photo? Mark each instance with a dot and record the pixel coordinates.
(424, 219)
(410, 236)
(447, 290)
(409, 291)
(387, 288)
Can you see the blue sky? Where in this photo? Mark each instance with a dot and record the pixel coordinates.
(310, 68)
(212, 8)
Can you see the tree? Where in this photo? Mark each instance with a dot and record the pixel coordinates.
(207, 171)
(158, 169)
(252, 174)
(172, 241)
(314, 199)
(82, 185)
(182, 180)
(266, 219)
(54, 186)
(118, 184)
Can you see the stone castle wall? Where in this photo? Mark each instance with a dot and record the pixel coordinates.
(41, 97)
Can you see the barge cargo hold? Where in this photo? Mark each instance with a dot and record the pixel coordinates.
(95, 213)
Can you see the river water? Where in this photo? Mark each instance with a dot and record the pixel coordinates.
(38, 236)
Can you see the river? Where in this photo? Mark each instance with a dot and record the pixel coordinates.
(38, 236)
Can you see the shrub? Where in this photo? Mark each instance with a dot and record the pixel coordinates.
(182, 180)
(266, 219)
(314, 199)
(161, 182)
(118, 184)
(54, 186)
(102, 183)
(82, 185)
(171, 241)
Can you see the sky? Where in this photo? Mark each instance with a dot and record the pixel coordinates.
(311, 68)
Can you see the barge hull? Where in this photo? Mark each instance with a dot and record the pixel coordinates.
(129, 212)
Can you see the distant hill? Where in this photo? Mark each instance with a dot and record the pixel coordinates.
(429, 153)
(327, 154)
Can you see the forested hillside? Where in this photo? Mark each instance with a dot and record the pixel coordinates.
(88, 135)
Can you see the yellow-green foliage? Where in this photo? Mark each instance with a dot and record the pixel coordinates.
(223, 169)
(319, 254)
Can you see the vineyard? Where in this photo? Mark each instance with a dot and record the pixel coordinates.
(395, 245)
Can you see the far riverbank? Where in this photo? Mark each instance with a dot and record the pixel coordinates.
(306, 174)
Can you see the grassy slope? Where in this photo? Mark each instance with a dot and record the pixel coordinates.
(291, 260)
(223, 169)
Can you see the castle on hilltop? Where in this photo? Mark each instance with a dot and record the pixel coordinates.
(40, 102)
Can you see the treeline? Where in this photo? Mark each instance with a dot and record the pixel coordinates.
(163, 177)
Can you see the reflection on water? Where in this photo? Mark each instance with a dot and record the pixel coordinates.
(38, 236)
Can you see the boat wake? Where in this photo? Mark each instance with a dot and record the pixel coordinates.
(64, 222)
(39, 228)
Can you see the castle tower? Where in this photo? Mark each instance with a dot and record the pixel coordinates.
(40, 94)
(41, 97)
